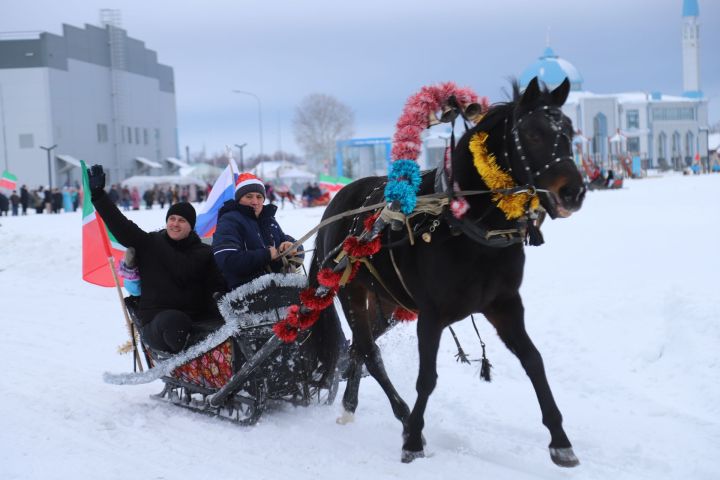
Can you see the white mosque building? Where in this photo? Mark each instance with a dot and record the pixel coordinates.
(654, 129)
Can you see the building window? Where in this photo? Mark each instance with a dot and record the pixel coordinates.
(145, 136)
(662, 146)
(633, 145)
(600, 137)
(27, 140)
(676, 145)
(102, 133)
(129, 134)
(633, 119)
(689, 146)
(137, 135)
(673, 113)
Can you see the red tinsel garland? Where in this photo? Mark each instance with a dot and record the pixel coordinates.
(284, 331)
(310, 300)
(407, 142)
(355, 248)
(402, 315)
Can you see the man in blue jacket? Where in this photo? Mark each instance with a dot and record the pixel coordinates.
(248, 240)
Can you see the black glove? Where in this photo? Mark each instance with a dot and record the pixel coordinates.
(96, 179)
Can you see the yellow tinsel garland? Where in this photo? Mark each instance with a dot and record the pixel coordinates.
(513, 206)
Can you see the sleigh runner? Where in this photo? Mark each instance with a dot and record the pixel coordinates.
(235, 372)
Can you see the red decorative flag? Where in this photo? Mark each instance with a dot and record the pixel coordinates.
(98, 243)
(8, 180)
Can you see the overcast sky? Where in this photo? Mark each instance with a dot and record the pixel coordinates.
(373, 54)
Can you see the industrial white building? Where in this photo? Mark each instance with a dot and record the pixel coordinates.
(95, 94)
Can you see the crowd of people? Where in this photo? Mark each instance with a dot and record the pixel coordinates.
(42, 200)
(69, 198)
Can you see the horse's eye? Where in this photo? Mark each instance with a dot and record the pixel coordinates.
(533, 137)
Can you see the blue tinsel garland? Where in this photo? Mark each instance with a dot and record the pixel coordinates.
(403, 184)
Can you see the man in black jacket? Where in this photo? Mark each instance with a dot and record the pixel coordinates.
(24, 199)
(177, 271)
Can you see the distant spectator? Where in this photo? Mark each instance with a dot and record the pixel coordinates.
(74, 198)
(270, 191)
(135, 198)
(149, 198)
(4, 204)
(24, 199)
(67, 200)
(125, 198)
(114, 195)
(15, 202)
(39, 200)
(160, 197)
(56, 200)
(47, 200)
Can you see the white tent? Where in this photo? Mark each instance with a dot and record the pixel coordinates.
(285, 171)
(204, 171)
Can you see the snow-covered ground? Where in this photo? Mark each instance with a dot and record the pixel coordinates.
(622, 301)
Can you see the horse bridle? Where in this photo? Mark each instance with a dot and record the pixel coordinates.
(554, 116)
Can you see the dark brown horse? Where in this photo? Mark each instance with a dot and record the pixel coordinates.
(461, 266)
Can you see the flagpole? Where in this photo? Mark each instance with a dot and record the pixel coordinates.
(111, 261)
(229, 153)
(128, 322)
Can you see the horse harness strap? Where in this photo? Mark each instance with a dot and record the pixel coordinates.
(373, 271)
(473, 229)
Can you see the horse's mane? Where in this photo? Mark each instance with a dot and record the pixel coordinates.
(500, 110)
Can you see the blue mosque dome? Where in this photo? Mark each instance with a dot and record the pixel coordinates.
(552, 70)
(690, 8)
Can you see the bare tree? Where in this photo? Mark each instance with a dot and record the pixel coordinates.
(319, 122)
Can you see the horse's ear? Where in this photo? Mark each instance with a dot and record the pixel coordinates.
(560, 94)
(532, 91)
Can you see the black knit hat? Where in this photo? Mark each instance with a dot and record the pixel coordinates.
(183, 209)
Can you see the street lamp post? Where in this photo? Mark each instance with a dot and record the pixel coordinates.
(49, 156)
(260, 128)
(4, 138)
(240, 147)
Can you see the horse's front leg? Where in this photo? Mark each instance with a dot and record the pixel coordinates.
(508, 318)
(429, 334)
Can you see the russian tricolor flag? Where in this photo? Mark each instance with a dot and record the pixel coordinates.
(222, 191)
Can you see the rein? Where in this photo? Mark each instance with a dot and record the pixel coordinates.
(432, 204)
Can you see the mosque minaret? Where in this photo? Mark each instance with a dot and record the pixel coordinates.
(691, 49)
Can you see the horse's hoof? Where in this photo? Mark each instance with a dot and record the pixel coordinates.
(345, 418)
(408, 456)
(564, 457)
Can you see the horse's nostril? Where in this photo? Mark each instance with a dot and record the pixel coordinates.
(572, 196)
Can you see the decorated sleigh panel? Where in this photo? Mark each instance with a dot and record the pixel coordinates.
(211, 370)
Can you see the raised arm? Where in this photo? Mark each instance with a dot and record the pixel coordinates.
(125, 231)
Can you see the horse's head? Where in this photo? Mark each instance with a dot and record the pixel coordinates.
(541, 154)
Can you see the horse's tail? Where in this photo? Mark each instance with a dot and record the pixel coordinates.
(329, 338)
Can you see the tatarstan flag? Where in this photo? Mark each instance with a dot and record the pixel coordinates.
(98, 243)
(8, 180)
(332, 184)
